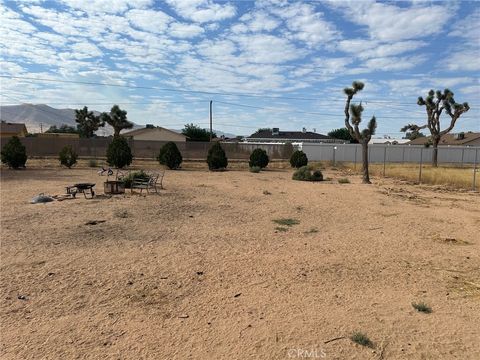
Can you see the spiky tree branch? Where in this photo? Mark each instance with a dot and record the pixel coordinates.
(435, 103)
(353, 118)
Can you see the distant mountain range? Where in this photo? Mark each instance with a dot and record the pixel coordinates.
(41, 117)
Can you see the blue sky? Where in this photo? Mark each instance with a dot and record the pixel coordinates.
(263, 63)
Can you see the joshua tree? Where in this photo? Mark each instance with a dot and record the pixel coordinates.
(353, 118)
(117, 118)
(87, 122)
(435, 103)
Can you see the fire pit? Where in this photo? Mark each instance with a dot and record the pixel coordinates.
(114, 187)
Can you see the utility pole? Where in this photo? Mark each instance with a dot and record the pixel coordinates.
(211, 131)
(41, 128)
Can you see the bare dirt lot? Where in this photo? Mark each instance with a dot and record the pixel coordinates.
(202, 271)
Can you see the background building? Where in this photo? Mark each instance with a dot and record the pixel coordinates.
(8, 129)
(155, 133)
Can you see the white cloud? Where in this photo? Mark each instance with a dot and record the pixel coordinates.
(102, 6)
(463, 60)
(387, 22)
(366, 49)
(268, 49)
(394, 63)
(202, 11)
(256, 21)
(306, 23)
(85, 50)
(149, 20)
(180, 30)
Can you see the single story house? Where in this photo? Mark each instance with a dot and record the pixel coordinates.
(276, 136)
(8, 129)
(155, 133)
(389, 141)
(58, 135)
(458, 139)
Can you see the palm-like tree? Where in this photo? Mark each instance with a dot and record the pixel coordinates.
(117, 119)
(87, 122)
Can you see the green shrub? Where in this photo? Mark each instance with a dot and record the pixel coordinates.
(170, 156)
(68, 156)
(119, 154)
(305, 173)
(255, 169)
(216, 157)
(286, 221)
(422, 307)
(139, 175)
(361, 339)
(298, 159)
(14, 153)
(343, 181)
(92, 163)
(259, 158)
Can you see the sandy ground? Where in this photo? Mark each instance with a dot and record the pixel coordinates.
(200, 271)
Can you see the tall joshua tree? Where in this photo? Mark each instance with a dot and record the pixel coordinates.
(117, 118)
(87, 122)
(435, 103)
(353, 118)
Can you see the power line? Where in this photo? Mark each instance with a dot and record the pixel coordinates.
(251, 95)
(300, 111)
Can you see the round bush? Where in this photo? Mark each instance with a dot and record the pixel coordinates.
(216, 157)
(68, 156)
(298, 159)
(259, 158)
(170, 156)
(119, 154)
(305, 173)
(14, 153)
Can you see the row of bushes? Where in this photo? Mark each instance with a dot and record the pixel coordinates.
(119, 155)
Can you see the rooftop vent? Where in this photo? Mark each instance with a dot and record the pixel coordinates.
(304, 130)
(275, 131)
(459, 136)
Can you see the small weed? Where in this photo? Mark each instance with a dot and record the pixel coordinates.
(343, 181)
(312, 231)
(299, 208)
(123, 214)
(361, 339)
(286, 222)
(422, 307)
(281, 229)
(255, 169)
(266, 192)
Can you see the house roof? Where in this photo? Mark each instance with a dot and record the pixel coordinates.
(449, 139)
(290, 135)
(149, 129)
(15, 128)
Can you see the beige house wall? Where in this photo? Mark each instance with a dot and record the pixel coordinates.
(157, 134)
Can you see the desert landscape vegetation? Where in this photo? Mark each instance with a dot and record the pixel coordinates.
(239, 265)
(210, 179)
